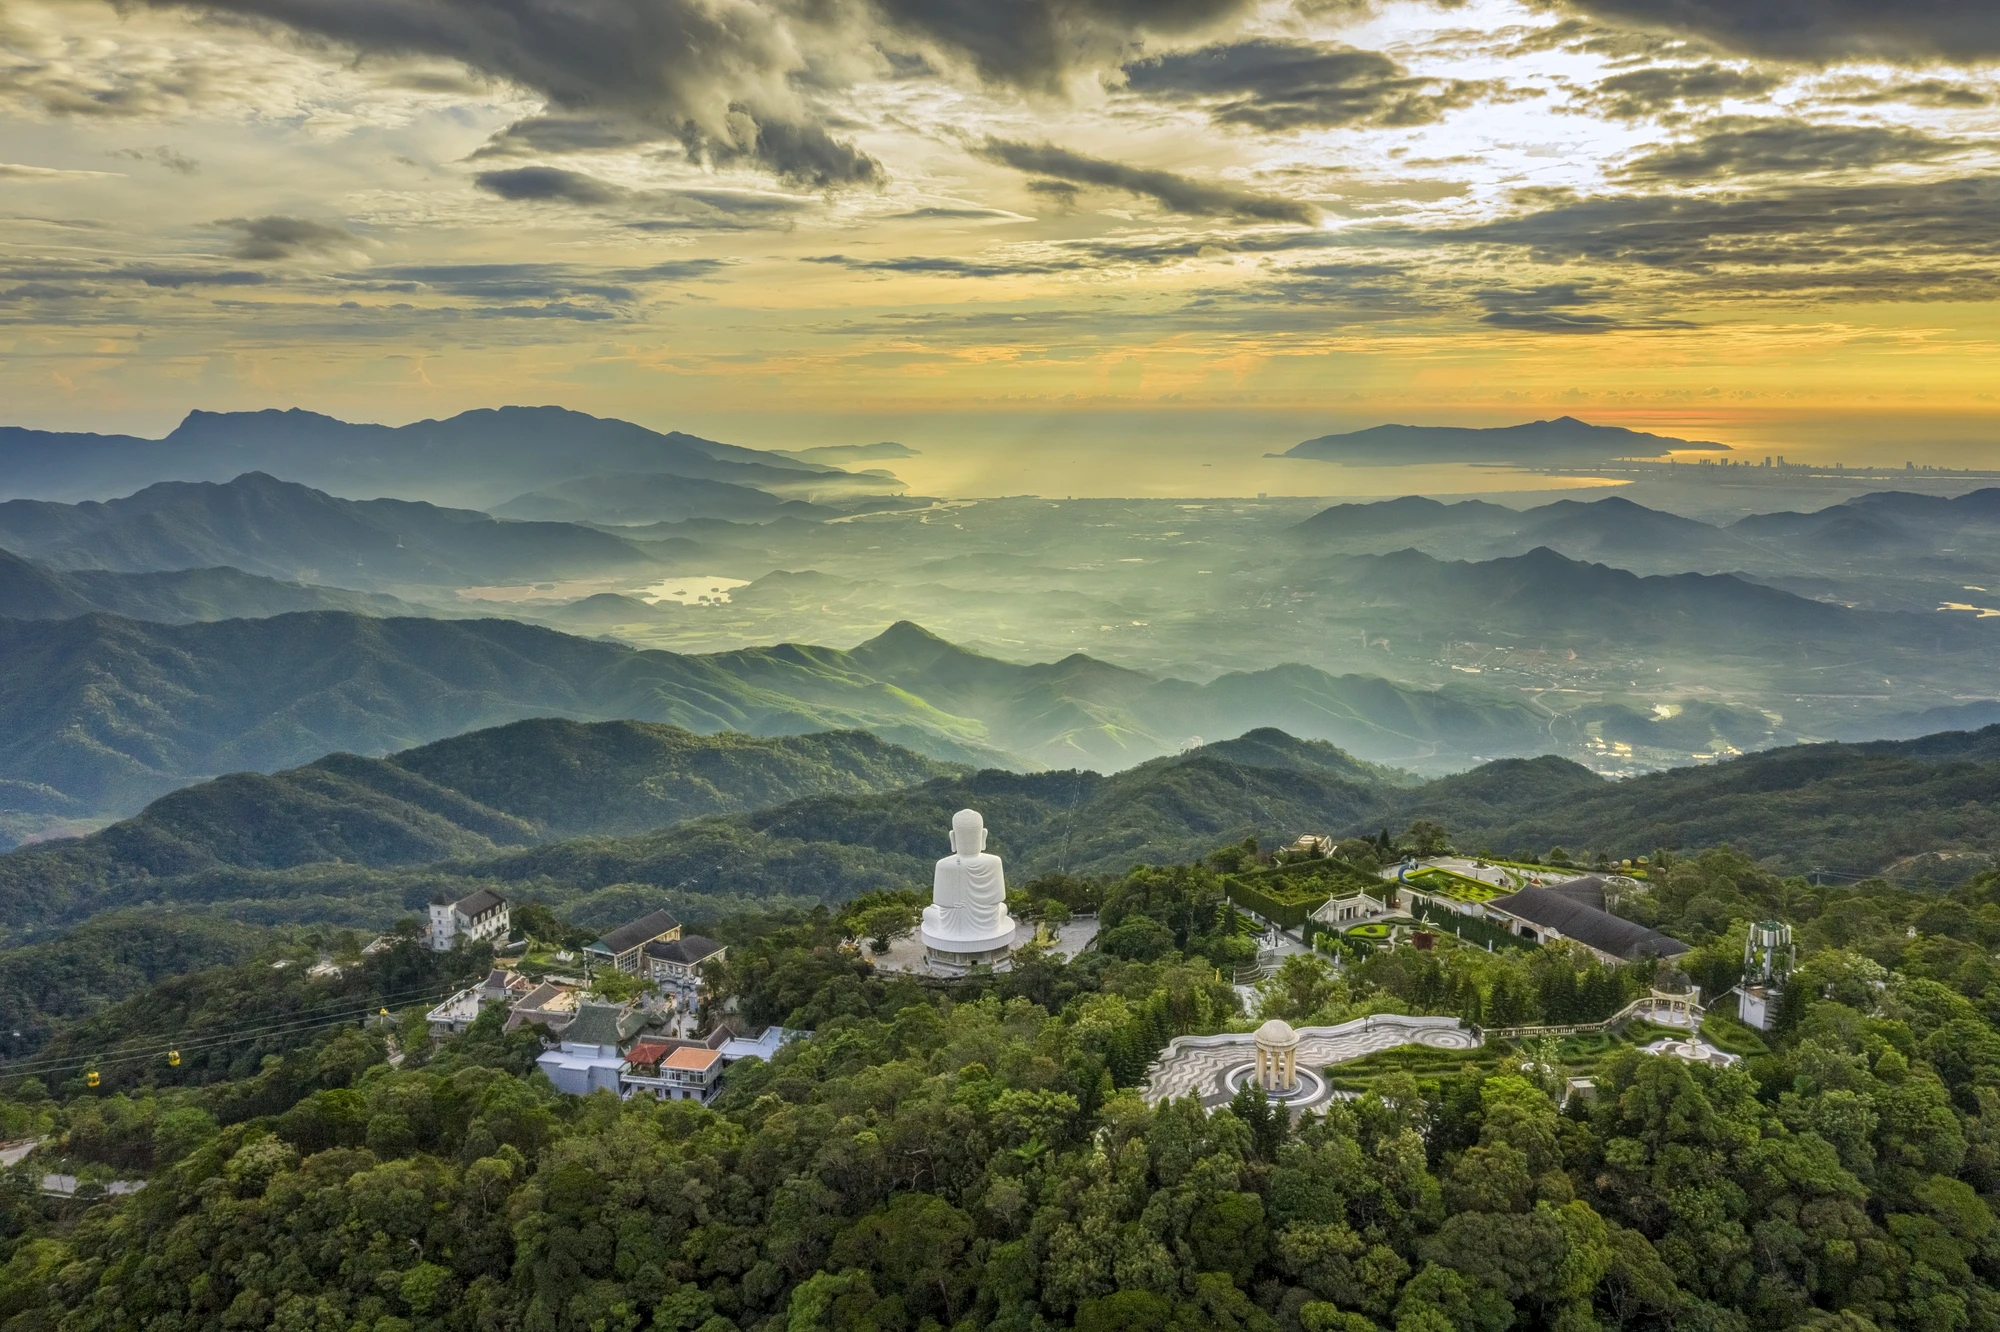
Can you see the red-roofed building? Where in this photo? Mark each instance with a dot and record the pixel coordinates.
(672, 1070)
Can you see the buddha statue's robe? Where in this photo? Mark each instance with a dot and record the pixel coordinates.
(968, 890)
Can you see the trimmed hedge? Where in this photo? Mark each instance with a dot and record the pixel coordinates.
(1291, 915)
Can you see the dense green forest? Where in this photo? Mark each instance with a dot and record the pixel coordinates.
(977, 1157)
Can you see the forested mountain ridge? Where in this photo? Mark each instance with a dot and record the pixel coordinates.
(351, 839)
(1854, 809)
(108, 713)
(30, 592)
(99, 714)
(281, 529)
(468, 796)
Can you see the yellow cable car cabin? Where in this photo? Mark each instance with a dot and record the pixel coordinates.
(91, 1079)
(173, 1059)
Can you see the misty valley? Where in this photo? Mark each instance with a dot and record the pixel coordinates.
(679, 580)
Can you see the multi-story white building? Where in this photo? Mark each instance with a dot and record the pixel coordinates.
(479, 917)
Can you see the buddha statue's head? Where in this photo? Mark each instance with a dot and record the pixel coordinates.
(968, 832)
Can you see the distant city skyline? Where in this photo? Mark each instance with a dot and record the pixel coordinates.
(1089, 241)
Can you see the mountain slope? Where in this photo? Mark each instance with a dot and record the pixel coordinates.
(638, 498)
(1853, 809)
(284, 530)
(262, 849)
(346, 839)
(476, 458)
(109, 713)
(114, 712)
(1580, 603)
(471, 795)
(1564, 439)
(30, 592)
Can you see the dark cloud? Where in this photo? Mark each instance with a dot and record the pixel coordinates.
(537, 135)
(1062, 193)
(278, 237)
(533, 282)
(937, 214)
(42, 291)
(713, 76)
(1037, 44)
(944, 267)
(686, 210)
(1743, 146)
(161, 276)
(1557, 307)
(1173, 192)
(800, 152)
(1899, 241)
(165, 155)
(1281, 85)
(1821, 30)
(681, 270)
(1643, 92)
(549, 184)
(1922, 92)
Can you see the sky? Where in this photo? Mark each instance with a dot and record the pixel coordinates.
(1090, 241)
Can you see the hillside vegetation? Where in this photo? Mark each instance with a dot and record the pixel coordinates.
(468, 796)
(99, 714)
(978, 1156)
(1851, 809)
(281, 529)
(31, 592)
(358, 841)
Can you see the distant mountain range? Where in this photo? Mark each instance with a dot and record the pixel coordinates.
(1888, 550)
(100, 714)
(477, 458)
(1563, 440)
(30, 592)
(638, 498)
(284, 530)
(1553, 597)
(1613, 527)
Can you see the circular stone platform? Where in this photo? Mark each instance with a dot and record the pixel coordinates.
(1310, 1091)
(1212, 1067)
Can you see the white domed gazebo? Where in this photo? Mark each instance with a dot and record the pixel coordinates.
(1277, 1057)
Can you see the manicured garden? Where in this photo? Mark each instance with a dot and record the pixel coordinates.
(1288, 894)
(1457, 887)
(1578, 1057)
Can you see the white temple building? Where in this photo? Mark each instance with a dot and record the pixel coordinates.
(967, 923)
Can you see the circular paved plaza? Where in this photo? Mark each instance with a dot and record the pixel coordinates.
(1213, 1067)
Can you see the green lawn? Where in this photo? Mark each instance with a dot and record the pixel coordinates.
(1581, 1057)
(1373, 930)
(1456, 886)
(1732, 1036)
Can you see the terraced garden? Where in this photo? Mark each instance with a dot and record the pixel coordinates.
(1457, 887)
(1580, 1057)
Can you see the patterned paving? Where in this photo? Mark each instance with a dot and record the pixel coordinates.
(1200, 1065)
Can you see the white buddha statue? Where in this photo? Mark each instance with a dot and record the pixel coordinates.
(967, 918)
